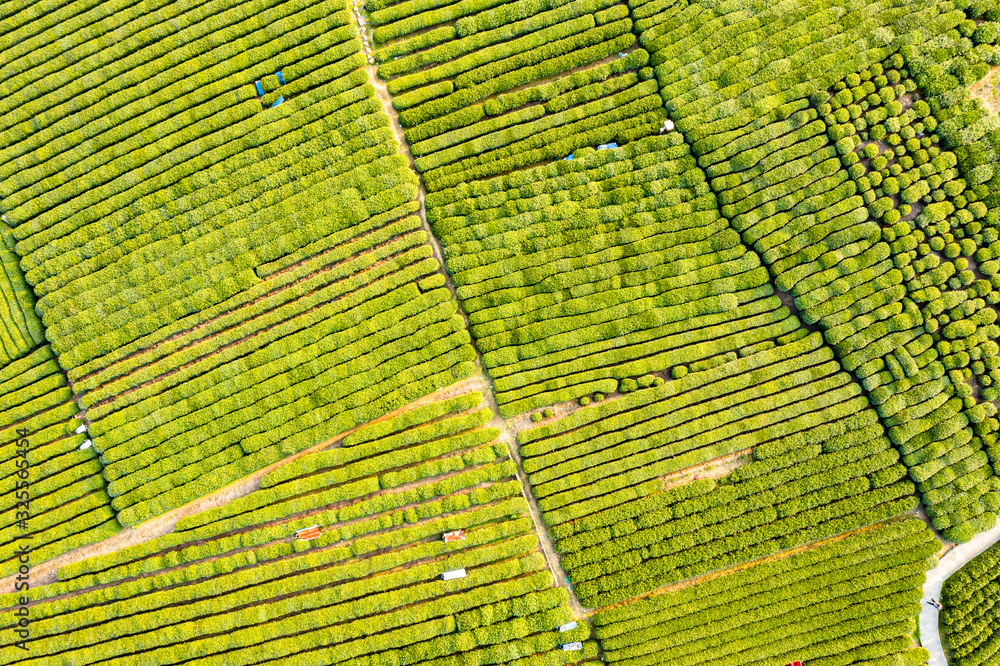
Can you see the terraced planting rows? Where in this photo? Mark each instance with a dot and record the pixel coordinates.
(225, 283)
(730, 269)
(242, 589)
(791, 178)
(821, 465)
(969, 626)
(21, 331)
(580, 275)
(848, 601)
(56, 498)
(484, 86)
(592, 311)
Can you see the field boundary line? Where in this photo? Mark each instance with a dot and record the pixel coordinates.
(45, 572)
(507, 434)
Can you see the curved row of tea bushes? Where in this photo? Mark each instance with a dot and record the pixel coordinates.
(59, 486)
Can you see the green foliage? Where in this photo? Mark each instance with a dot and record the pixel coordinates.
(472, 98)
(851, 600)
(968, 626)
(66, 497)
(788, 146)
(377, 563)
(226, 284)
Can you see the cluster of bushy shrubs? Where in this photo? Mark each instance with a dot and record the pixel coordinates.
(933, 225)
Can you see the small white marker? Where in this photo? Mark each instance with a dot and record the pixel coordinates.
(86, 445)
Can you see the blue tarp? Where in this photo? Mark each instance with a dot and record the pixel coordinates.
(607, 146)
(281, 79)
(260, 91)
(568, 158)
(279, 101)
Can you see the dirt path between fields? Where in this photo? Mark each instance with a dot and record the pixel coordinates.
(480, 378)
(45, 573)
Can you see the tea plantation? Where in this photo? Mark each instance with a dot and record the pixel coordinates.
(477, 332)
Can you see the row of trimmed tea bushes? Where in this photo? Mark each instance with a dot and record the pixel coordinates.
(822, 465)
(252, 156)
(944, 67)
(784, 180)
(970, 625)
(219, 286)
(487, 86)
(58, 485)
(933, 224)
(180, 74)
(437, 441)
(847, 601)
(307, 365)
(369, 591)
(578, 275)
(20, 329)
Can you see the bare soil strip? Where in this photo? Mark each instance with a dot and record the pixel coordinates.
(45, 573)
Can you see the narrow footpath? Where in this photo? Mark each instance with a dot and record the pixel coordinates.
(508, 433)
